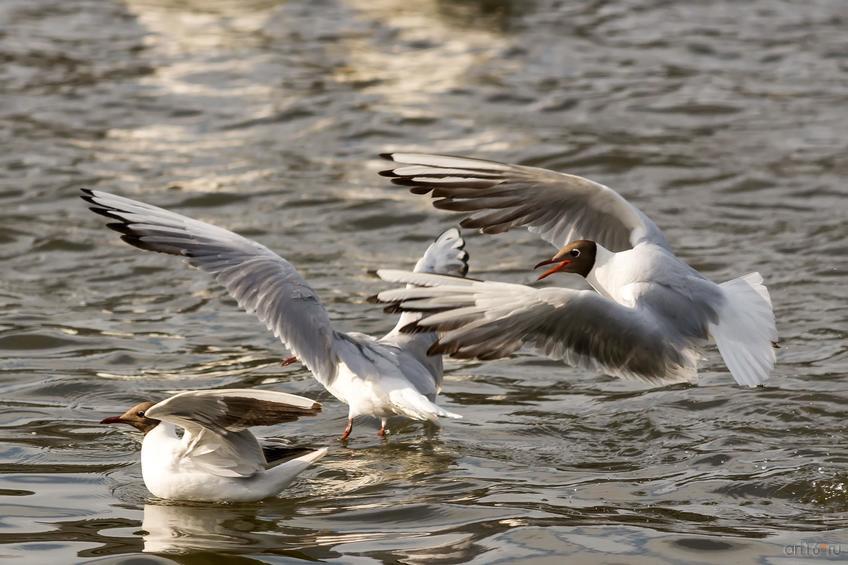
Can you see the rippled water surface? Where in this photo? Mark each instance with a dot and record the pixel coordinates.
(726, 122)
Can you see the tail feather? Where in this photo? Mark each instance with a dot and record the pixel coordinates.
(746, 331)
(415, 405)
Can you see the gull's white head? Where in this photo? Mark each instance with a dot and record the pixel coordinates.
(135, 417)
(576, 257)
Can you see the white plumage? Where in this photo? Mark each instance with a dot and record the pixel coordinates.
(393, 375)
(217, 459)
(649, 314)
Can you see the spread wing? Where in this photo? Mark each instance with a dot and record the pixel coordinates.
(217, 422)
(261, 281)
(446, 256)
(490, 320)
(559, 207)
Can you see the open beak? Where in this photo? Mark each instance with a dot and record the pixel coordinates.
(112, 420)
(561, 264)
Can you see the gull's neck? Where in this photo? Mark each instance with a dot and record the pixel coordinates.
(164, 430)
(601, 275)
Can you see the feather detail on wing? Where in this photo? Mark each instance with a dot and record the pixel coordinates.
(232, 409)
(261, 281)
(490, 320)
(559, 207)
(446, 255)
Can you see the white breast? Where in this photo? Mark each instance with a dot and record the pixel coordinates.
(362, 395)
(169, 474)
(160, 455)
(621, 276)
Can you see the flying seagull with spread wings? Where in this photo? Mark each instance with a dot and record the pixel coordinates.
(217, 459)
(648, 316)
(392, 375)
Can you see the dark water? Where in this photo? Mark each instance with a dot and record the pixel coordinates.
(726, 122)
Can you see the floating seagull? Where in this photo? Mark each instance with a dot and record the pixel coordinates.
(649, 316)
(217, 459)
(393, 375)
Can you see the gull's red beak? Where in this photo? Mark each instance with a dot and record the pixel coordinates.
(561, 264)
(112, 420)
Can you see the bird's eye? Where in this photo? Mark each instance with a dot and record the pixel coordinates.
(575, 253)
(140, 413)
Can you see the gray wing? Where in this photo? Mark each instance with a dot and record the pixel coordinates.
(261, 281)
(232, 409)
(392, 356)
(490, 320)
(217, 422)
(447, 256)
(559, 207)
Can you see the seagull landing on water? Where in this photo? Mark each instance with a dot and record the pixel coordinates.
(649, 315)
(217, 459)
(393, 375)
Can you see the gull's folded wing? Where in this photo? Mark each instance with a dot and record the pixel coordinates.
(217, 421)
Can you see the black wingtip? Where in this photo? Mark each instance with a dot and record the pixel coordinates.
(406, 181)
(106, 212)
(373, 299)
(121, 227)
(387, 156)
(87, 195)
(393, 308)
(436, 349)
(137, 242)
(388, 173)
(275, 455)
(414, 328)
(415, 187)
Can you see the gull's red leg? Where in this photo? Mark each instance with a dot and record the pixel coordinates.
(289, 360)
(382, 431)
(347, 430)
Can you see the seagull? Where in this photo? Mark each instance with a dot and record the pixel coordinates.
(392, 375)
(648, 316)
(217, 459)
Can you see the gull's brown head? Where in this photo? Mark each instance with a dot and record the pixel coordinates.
(576, 257)
(135, 417)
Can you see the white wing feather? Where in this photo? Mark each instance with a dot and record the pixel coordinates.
(447, 256)
(260, 280)
(490, 320)
(559, 207)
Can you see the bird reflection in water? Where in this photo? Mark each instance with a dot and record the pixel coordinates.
(186, 529)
